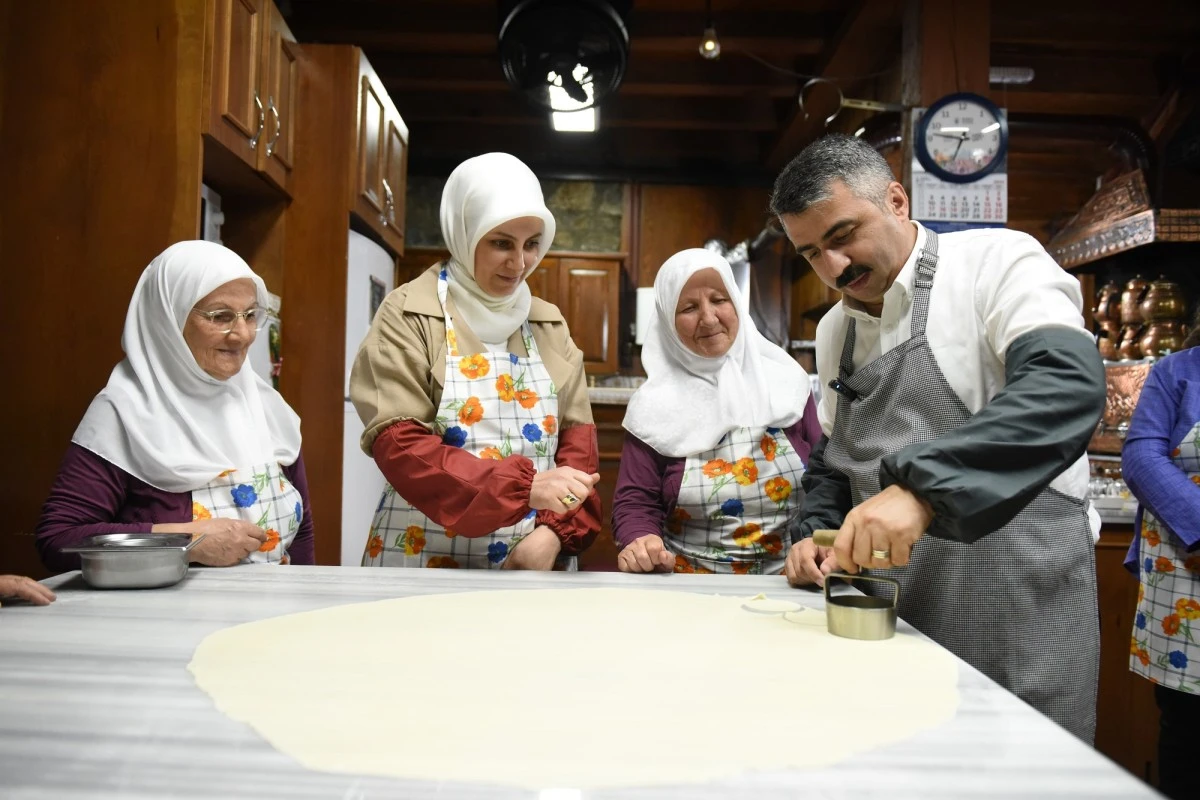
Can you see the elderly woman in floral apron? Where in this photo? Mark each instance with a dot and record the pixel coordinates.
(474, 397)
(1161, 463)
(186, 437)
(718, 436)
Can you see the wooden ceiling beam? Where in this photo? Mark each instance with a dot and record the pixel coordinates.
(1133, 106)
(867, 39)
(620, 111)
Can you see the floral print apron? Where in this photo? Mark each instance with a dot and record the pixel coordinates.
(736, 505)
(494, 405)
(1166, 639)
(260, 495)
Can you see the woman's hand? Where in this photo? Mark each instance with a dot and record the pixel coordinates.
(808, 564)
(538, 550)
(646, 554)
(26, 589)
(226, 541)
(561, 489)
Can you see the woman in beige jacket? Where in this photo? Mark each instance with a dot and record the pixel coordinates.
(474, 397)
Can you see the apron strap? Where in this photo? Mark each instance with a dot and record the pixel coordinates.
(925, 268)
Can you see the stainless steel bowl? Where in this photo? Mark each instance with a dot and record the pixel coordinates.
(134, 560)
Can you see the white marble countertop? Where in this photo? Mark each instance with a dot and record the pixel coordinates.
(96, 702)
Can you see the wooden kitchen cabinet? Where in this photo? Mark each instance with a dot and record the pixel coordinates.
(588, 292)
(252, 86)
(382, 163)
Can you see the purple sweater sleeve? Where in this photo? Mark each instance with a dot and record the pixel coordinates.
(91, 496)
(1167, 410)
(639, 503)
(805, 432)
(302, 550)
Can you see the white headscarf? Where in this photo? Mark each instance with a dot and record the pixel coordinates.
(689, 402)
(480, 194)
(161, 417)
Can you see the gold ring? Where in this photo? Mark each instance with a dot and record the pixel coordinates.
(882, 555)
(570, 499)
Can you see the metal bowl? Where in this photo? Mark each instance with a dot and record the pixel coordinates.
(134, 560)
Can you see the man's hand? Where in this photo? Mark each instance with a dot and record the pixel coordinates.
(646, 554)
(880, 532)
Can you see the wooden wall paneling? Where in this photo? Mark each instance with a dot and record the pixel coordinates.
(589, 296)
(74, 236)
(1126, 714)
(254, 229)
(416, 260)
(314, 293)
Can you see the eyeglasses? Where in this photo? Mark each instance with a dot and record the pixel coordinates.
(224, 319)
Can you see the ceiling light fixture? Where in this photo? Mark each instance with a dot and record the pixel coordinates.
(710, 48)
(572, 100)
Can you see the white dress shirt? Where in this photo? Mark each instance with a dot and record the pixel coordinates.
(992, 286)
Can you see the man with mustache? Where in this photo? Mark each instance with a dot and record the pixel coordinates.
(964, 391)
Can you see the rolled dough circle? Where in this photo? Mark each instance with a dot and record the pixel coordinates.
(585, 688)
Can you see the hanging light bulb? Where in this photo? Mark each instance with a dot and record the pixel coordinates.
(710, 48)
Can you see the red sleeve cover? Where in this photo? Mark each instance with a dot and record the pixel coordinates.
(470, 495)
(578, 448)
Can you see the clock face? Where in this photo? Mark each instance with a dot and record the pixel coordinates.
(963, 137)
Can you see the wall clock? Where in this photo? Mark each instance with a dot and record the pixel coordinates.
(961, 138)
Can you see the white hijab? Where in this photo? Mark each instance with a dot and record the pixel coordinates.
(481, 193)
(689, 402)
(162, 418)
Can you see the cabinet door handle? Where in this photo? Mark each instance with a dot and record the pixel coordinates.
(389, 203)
(262, 121)
(278, 125)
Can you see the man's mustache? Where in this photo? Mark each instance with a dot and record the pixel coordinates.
(852, 273)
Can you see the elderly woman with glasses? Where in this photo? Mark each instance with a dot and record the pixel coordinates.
(186, 438)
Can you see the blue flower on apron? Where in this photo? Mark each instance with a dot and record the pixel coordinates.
(497, 551)
(1178, 659)
(732, 507)
(299, 512)
(455, 436)
(532, 432)
(1141, 621)
(513, 358)
(244, 495)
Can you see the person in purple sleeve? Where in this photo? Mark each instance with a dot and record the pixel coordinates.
(718, 436)
(186, 437)
(1161, 463)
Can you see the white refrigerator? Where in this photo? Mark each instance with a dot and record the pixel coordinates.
(369, 277)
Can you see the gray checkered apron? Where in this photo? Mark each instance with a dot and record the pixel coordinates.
(1020, 603)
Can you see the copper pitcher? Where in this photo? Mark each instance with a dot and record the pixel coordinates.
(1130, 347)
(1162, 337)
(1131, 300)
(1107, 300)
(1108, 338)
(1164, 299)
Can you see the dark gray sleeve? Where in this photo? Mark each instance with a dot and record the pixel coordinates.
(979, 476)
(827, 496)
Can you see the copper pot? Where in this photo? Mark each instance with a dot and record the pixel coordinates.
(1108, 338)
(1107, 302)
(1131, 300)
(1162, 337)
(1130, 347)
(1164, 299)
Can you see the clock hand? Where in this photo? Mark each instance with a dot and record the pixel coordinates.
(962, 137)
(960, 144)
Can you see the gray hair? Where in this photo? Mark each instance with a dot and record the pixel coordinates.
(808, 178)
